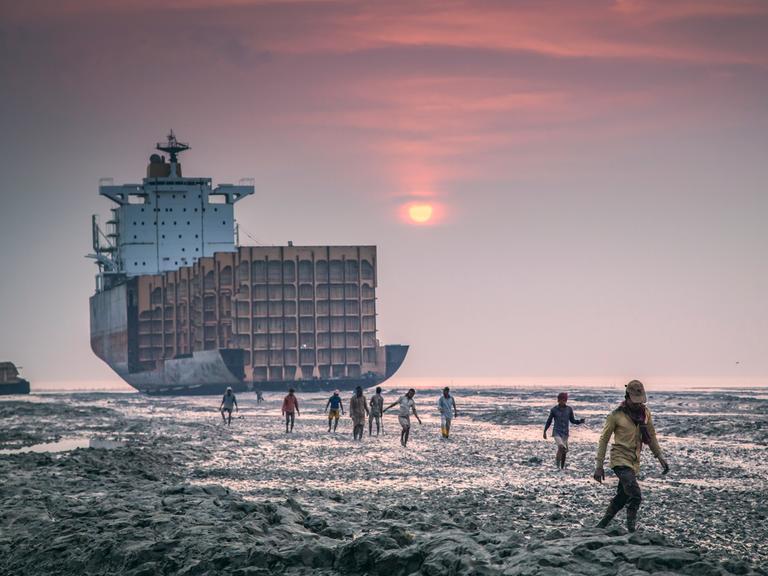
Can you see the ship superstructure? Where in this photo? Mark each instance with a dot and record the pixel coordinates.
(180, 308)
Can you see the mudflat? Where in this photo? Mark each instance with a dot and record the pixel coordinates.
(146, 486)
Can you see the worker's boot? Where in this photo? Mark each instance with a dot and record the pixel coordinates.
(609, 514)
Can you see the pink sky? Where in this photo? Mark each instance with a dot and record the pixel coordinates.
(598, 167)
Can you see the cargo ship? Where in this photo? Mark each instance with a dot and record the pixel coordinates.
(181, 308)
(10, 381)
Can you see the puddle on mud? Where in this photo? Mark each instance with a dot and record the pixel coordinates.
(66, 445)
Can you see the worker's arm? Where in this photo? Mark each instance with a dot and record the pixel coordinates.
(237, 408)
(654, 445)
(413, 407)
(390, 406)
(296, 402)
(572, 418)
(602, 447)
(455, 412)
(549, 423)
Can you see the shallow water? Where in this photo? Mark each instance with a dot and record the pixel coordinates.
(63, 445)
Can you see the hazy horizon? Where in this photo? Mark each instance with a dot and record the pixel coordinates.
(465, 383)
(595, 173)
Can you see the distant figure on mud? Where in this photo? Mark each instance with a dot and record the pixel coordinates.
(561, 414)
(259, 397)
(227, 403)
(358, 410)
(290, 409)
(407, 405)
(447, 407)
(631, 426)
(334, 406)
(377, 408)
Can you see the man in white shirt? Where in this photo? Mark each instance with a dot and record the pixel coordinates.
(407, 405)
(447, 406)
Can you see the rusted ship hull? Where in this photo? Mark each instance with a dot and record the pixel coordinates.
(220, 323)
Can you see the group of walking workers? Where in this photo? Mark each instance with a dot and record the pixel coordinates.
(360, 408)
(373, 409)
(631, 427)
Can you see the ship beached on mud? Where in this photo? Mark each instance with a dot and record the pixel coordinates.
(10, 380)
(180, 308)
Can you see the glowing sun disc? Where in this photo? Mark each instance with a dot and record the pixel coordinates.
(420, 213)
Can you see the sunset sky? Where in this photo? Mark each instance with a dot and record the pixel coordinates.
(593, 174)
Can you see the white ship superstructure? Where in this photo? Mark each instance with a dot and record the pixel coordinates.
(168, 221)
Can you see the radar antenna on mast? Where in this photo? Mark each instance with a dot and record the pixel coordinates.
(172, 147)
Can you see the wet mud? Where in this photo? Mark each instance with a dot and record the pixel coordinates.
(174, 491)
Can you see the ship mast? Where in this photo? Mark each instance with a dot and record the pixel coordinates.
(172, 147)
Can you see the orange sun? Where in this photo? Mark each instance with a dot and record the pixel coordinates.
(420, 213)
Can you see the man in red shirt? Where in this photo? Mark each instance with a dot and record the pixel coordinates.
(290, 409)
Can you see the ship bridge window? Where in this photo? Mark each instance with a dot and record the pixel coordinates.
(136, 199)
(217, 199)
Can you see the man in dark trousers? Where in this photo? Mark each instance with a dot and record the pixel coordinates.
(561, 415)
(631, 426)
(290, 409)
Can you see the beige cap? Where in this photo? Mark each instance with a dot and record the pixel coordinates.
(636, 392)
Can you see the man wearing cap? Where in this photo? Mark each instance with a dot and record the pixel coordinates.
(561, 415)
(631, 426)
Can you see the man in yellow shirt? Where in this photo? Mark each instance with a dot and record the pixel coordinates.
(631, 426)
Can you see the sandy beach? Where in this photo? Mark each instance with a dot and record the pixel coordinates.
(159, 486)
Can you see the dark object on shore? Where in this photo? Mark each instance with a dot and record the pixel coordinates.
(10, 381)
